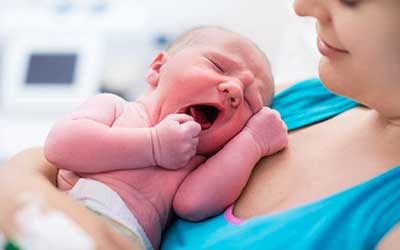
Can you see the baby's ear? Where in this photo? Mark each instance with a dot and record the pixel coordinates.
(153, 73)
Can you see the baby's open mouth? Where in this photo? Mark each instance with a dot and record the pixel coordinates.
(205, 115)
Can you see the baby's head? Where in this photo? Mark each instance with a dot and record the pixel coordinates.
(199, 35)
(218, 77)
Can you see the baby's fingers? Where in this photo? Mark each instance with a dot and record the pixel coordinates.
(180, 118)
(192, 128)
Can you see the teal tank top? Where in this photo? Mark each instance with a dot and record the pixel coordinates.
(356, 218)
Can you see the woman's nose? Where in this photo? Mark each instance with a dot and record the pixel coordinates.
(234, 92)
(313, 8)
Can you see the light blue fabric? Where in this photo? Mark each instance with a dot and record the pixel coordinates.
(356, 218)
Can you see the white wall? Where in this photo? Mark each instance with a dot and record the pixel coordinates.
(288, 40)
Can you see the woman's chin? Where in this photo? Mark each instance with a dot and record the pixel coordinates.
(331, 78)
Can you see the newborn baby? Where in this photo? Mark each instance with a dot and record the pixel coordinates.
(189, 142)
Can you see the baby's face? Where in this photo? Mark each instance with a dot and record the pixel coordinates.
(221, 82)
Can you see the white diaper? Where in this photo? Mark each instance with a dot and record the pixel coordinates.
(103, 200)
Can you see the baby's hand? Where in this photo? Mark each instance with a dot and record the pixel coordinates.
(268, 130)
(175, 140)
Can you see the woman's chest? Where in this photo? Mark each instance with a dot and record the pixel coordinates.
(318, 162)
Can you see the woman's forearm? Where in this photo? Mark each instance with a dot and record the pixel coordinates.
(29, 174)
(31, 161)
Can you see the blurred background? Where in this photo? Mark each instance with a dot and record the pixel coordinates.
(56, 53)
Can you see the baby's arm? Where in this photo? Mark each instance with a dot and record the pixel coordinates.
(218, 182)
(85, 141)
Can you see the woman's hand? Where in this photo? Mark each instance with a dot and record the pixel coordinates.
(29, 172)
(17, 174)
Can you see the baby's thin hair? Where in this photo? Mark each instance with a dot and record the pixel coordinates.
(188, 38)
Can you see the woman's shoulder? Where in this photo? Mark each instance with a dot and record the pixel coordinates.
(307, 102)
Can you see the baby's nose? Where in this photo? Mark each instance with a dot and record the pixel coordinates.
(234, 92)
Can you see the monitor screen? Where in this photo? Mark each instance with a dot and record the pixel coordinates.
(51, 68)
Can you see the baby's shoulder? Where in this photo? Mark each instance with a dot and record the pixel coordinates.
(105, 103)
(107, 97)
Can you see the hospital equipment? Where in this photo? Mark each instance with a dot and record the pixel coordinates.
(43, 72)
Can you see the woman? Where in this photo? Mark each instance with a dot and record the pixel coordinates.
(337, 184)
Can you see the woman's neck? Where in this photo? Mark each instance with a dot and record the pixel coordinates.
(384, 127)
(387, 109)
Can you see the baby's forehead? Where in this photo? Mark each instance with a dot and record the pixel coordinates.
(254, 59)
(233, 44)
(242, 49)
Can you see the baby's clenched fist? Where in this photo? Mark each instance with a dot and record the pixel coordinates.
(175, 140)
(268, 130)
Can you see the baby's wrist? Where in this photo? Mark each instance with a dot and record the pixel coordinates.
(249, 135)
(154, 145)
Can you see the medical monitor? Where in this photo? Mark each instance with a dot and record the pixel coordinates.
(42, 73)
(51, 68)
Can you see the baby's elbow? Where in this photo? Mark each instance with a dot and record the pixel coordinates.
(58, 156)
(56, 149)
(188, 209)
(59, 142)
(51, 151)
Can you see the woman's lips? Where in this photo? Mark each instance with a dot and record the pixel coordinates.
(327, 50)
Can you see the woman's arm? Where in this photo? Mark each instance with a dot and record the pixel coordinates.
(30, 161)
(29, 172)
